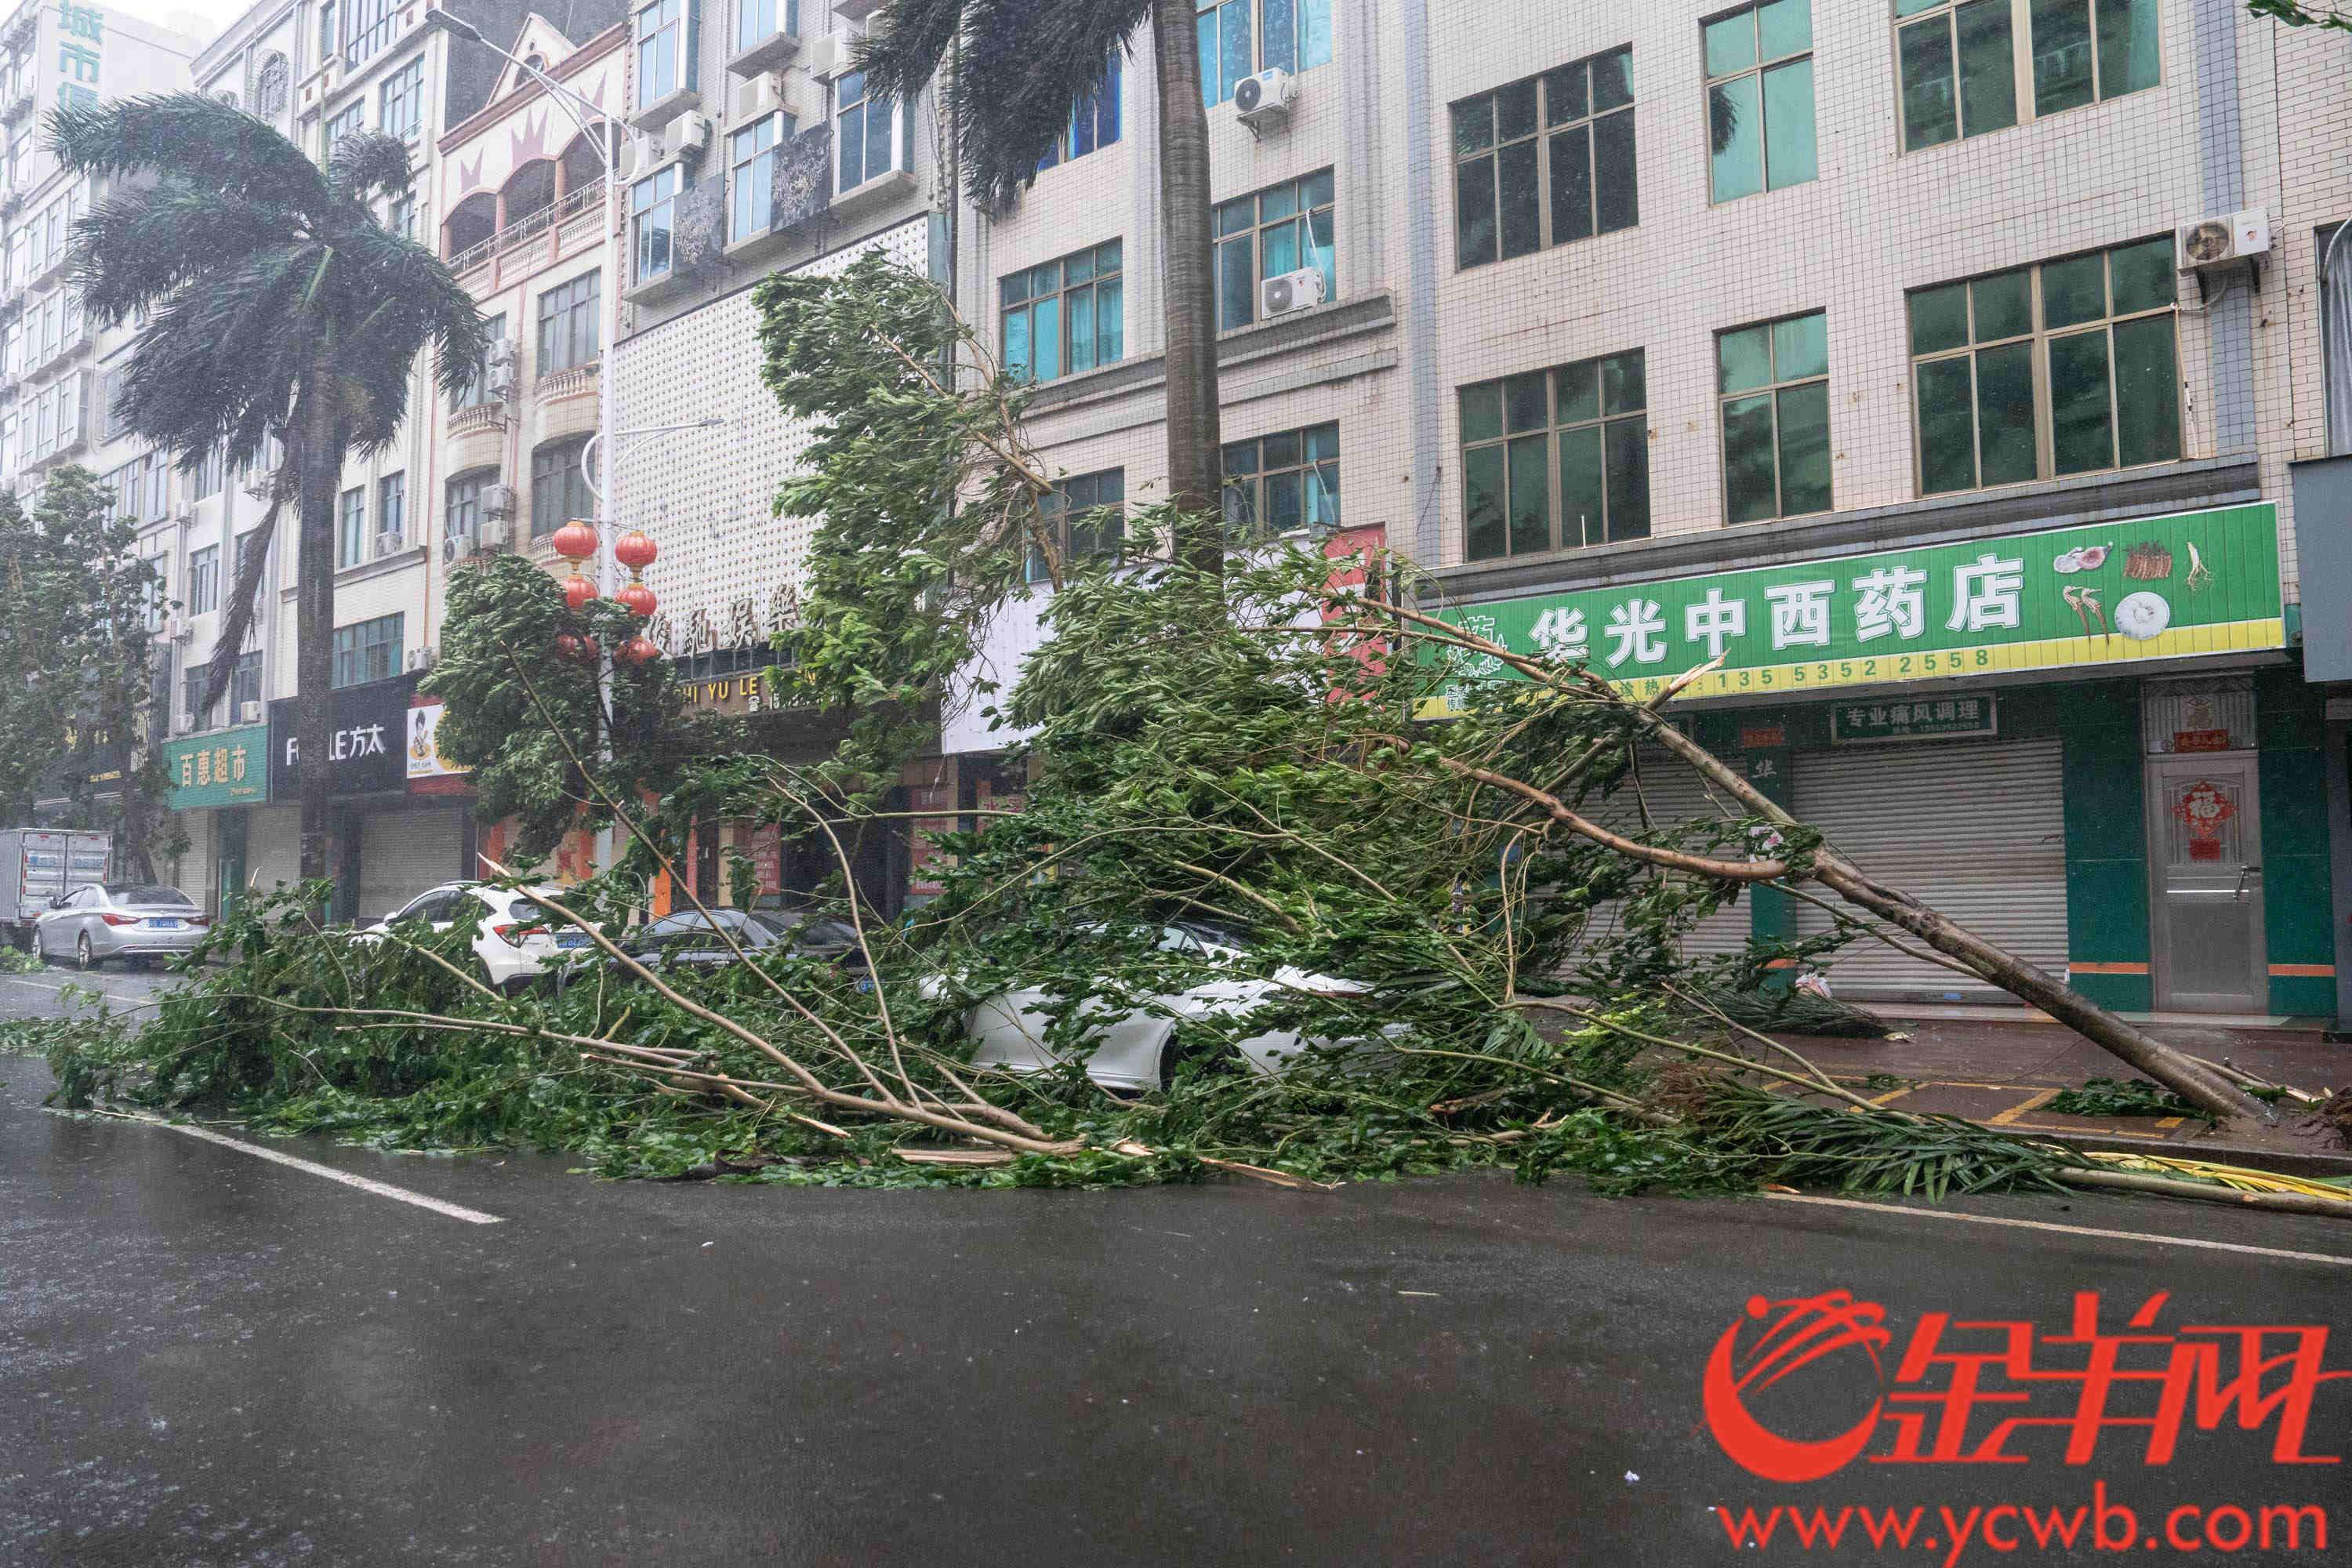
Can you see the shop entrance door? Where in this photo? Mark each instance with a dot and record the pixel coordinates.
(229, 862)
(2205, 868)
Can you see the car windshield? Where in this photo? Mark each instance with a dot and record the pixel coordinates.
(148, 893)
(1210, 934)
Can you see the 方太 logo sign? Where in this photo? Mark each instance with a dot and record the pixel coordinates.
(1970, 1391)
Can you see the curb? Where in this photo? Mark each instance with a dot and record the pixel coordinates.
(2287, 1162)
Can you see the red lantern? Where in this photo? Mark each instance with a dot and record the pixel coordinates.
(576, 540)
(577, 592)
(568, 646)
(636, 652)
(637, 599)
(634, 550)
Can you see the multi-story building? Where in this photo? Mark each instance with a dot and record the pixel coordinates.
(318, 71)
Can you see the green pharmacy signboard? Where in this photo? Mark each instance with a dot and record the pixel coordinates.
(228, 767)
(2106, 594)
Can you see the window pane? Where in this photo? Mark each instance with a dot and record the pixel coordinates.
(1988, 67)
(1947, 433)
(1800, 347)
(1278, 251)
(1579, 387)
(1583, 513)
(1624, 385)
(1521, 224)
(1314, 33)
(1045, 338)
(2004, 305)
(1736, 167)
(1474, 212)
(1617, 206)
(1320, 253)
(1784, 27)
(2127, 46)
(1515, 110)
(2005, 414)
(1939, 318)
(1571, 183)
(1731, 44)
(1281, 451)
(1279, 203)
(1280, 49)
(1930, 115)
(1110, 321)
(1628, 480)
(1523, 399)
(1323, 493)
(2143, 276)
(2061, 55)
(1211, 88)
(1743, 358)
(1080, 267)
(1805, 449)
(1530, 495)
(1282, 502)
(1236, 28)
(1081, 305)
(1482, 412)
(1788, 152)
(2081, 438)
(851, 129)
(1473, 125)
(2147, 391)
(1483, 534)
(1240, 457)
(1564, 96)
(1749, 491)
(2073, 292)
(1612, 79)
(1315, 190)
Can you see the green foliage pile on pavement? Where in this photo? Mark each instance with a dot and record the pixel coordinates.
(2129, 1097)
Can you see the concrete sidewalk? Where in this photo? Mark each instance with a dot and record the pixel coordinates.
(2004, 1071)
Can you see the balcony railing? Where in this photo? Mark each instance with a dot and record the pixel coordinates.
(479, 418)
(530, 227)
(569, 380)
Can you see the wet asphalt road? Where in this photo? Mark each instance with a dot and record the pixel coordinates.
(207, 1358)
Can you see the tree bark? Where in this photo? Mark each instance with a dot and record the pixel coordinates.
(314, 614)
(1195, 472)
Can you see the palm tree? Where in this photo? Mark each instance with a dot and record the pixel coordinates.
(281, 321)
(1018, 66)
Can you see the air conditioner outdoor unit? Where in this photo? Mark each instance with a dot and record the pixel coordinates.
(421, 658)
(389, 544)
(174, 628)
(828, 56)
(2223, 241)
(498, 500)
(1290, 291)
(630, 155)
(762, 95)
(1263, 101)
(250, 711)
(456, 547)
(689, 134)
(497, 535)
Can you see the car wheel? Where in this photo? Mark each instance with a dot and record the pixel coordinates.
(1186, 1047)
(83, 957)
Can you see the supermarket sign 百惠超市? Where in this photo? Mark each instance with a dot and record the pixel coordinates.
(2152, 587)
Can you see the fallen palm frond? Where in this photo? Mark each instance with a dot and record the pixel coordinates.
(2236, 1178)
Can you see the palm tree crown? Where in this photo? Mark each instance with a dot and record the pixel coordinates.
(248, 261)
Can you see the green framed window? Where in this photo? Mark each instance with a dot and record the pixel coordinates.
(1087, 515)
(1547, 161)
(2066, 367)
(1760, 98)
(1284, 228)
(1278, 484)
(1968, 66)
(1556, 459)
(1772, 385)
(1065, 316)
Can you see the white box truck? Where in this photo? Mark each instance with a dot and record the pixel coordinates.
(39, 866)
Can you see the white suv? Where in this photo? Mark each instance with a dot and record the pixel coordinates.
(515, 939)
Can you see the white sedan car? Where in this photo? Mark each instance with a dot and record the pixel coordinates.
(516, 939)
(1135, 1050)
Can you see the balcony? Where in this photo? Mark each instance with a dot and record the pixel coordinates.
(19, 104)
(521, 231)
(573, 381)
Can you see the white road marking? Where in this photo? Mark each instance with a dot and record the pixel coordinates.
(381, 1189)
(2063, 1229)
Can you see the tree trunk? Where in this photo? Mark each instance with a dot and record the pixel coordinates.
(2199, 1085)
(135, 861)
(314, 618)
(1195, 472)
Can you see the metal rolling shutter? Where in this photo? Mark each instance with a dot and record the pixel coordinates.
(194, 875)
(1974, 830)
(1674, 794)
(403, 853)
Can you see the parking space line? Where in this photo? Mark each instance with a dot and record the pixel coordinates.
(2138, 1235)
(2003, 1118)
(381, 1189)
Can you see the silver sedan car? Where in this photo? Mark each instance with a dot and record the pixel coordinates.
(120, 919)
